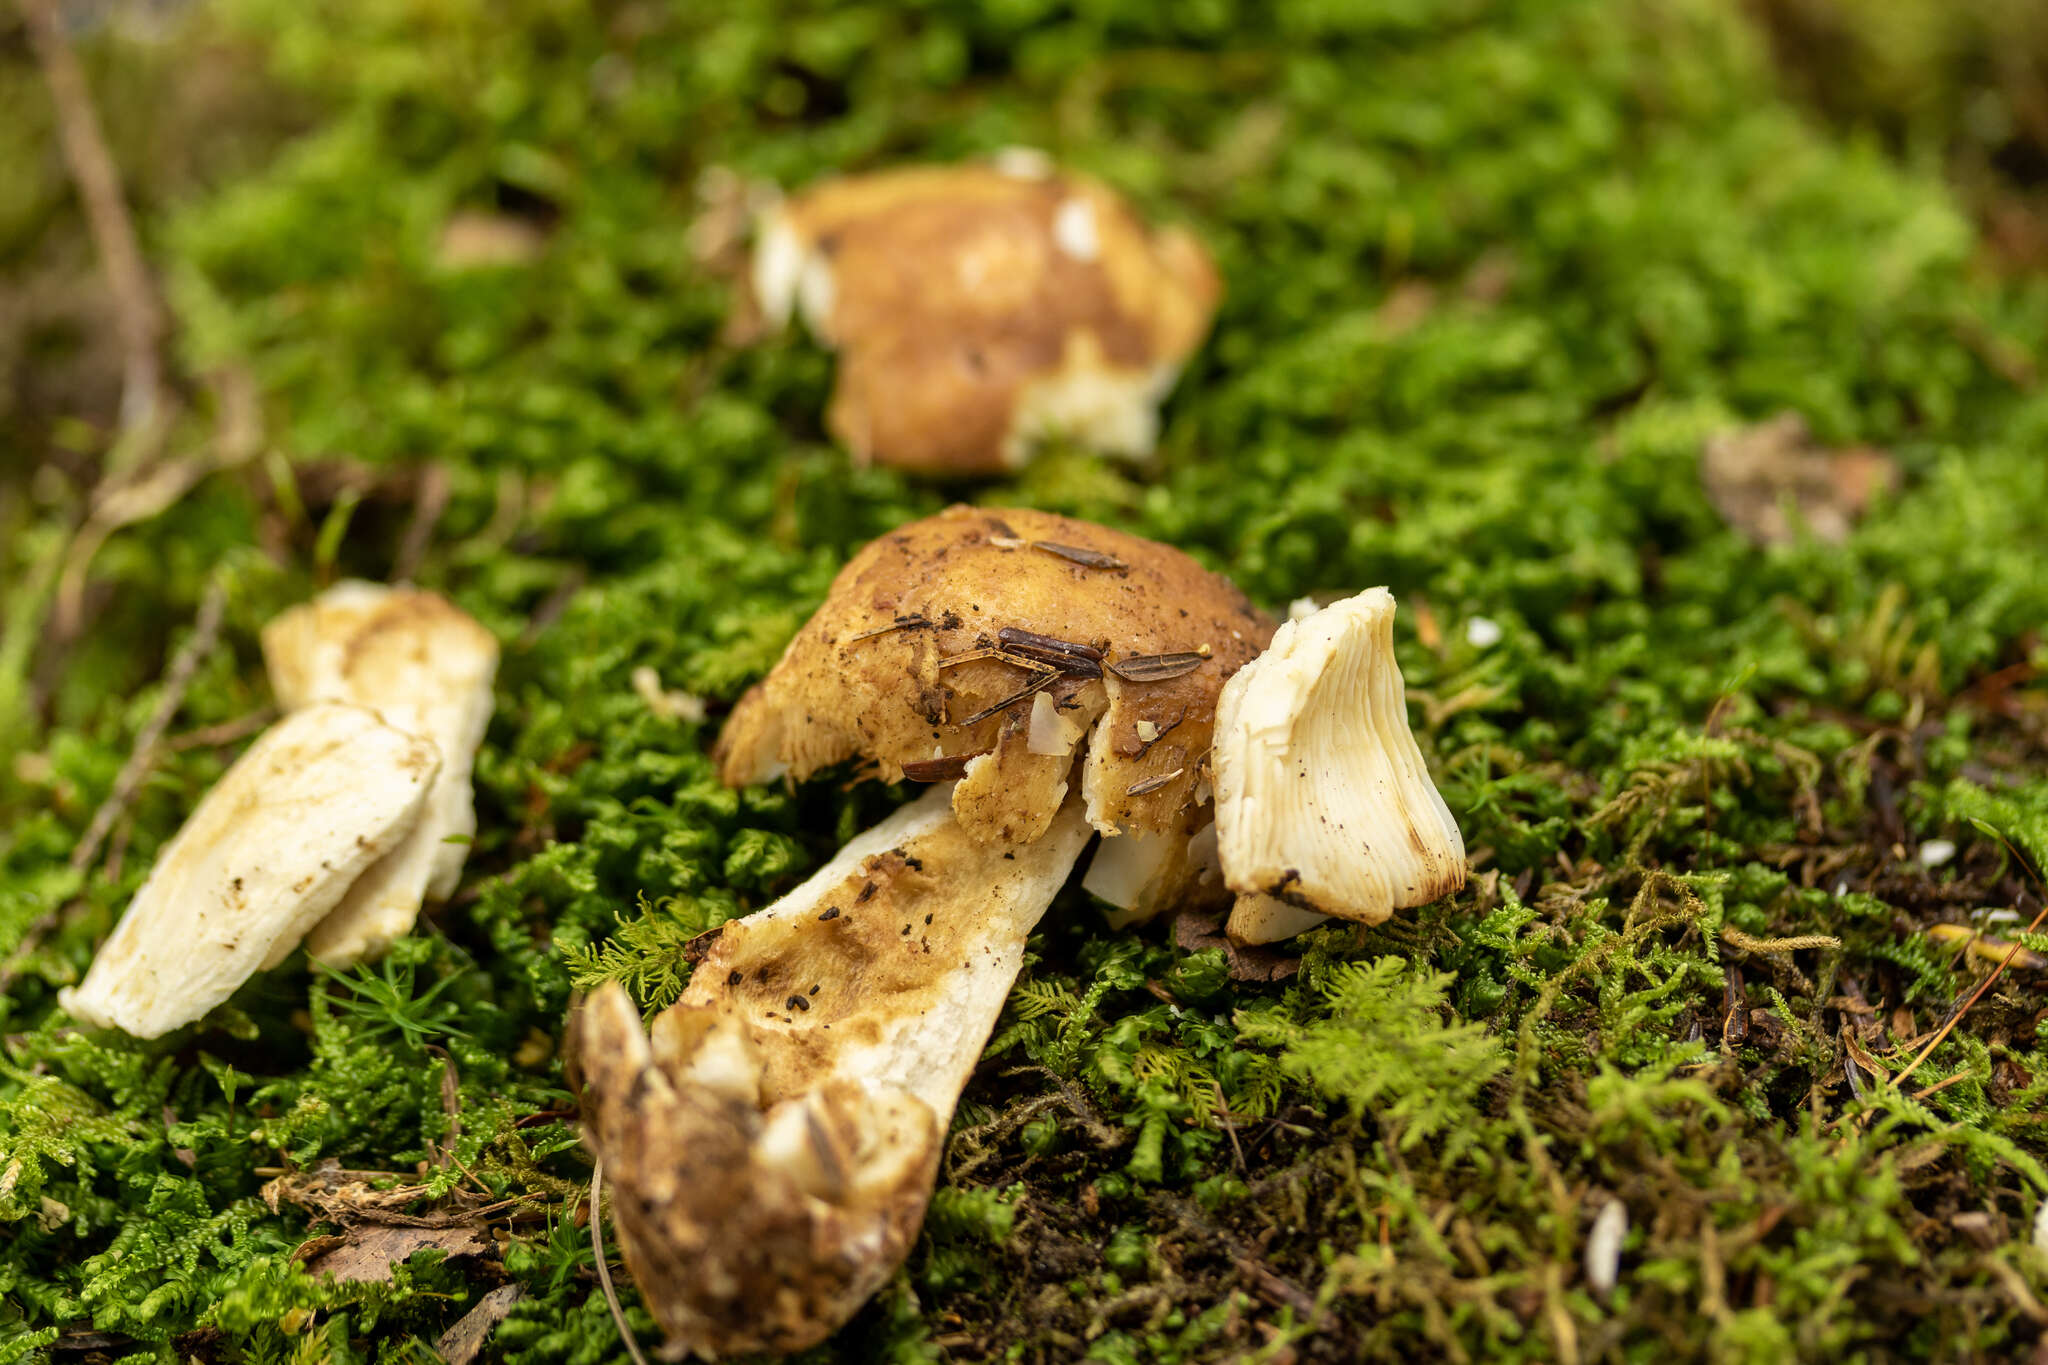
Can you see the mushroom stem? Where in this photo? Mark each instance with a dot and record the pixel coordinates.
(774, 1143)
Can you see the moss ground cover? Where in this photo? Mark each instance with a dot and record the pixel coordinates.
(1495, 273)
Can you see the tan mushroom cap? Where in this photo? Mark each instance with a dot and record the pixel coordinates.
(978, 308)
(868, 676)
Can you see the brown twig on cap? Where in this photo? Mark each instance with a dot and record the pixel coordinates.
(1149, 668)
(138, 315)
(1076, 554)
(938, 769)
(916, 621)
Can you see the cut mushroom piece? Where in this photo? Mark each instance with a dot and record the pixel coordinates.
(1140, 876)
(978, 309)
(772, 1147)
(937, 641)
(317, 799)
(427, 668)
(1323, 803)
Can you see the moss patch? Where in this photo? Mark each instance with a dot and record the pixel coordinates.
(1491, 286)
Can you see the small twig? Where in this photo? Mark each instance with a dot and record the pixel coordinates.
(1976, 995)
(451, 1105)
(1983, 986)
(551, 608)
(1230, 1130)
(141, 758)
(1941, 1085)
(137, 313)
(604, 1272)
(430, 501)
(205, 632)
(227, 732)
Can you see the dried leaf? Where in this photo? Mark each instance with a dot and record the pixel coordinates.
(368, 1253)
(1770, 479)
(1199, 930)
(1986, 948)
(460, 1343)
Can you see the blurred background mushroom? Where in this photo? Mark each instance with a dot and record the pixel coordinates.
(981, 308)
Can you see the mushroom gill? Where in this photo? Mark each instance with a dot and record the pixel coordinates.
(1323, 803)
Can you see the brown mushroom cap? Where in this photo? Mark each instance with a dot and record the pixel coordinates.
(868, 676)
(978, 308)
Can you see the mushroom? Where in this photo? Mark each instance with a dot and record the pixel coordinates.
(774, 1144)
(937, 642)
(319, 798)
(1323, 803)
(978, 309)
(427, 668)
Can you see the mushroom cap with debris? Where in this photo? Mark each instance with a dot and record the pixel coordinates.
(980, 308)
(930, 630)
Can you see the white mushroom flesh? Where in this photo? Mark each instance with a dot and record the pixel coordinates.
(1323, 801)
(1140, 876)
(318, 798)
(427, 669)
(774, 1145)
(1052, 734)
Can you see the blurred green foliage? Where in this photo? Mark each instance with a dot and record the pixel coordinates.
(1494, 275)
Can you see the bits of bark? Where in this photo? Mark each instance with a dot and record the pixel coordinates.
(938, 769)
(1086, 558)
(1048, 647)
(1152, 784)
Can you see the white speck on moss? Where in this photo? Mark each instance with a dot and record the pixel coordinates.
(1482, 632)
(1935, 852)
(1603, 1247)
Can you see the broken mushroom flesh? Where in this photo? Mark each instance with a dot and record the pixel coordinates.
(427, 668)
(980, 308)
(773, 1144)
(1324, 805)
(316, 800)
(935, 643)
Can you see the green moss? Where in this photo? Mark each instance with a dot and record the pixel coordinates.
(1628, 239)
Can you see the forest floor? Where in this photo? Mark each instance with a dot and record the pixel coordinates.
(1757, 813)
